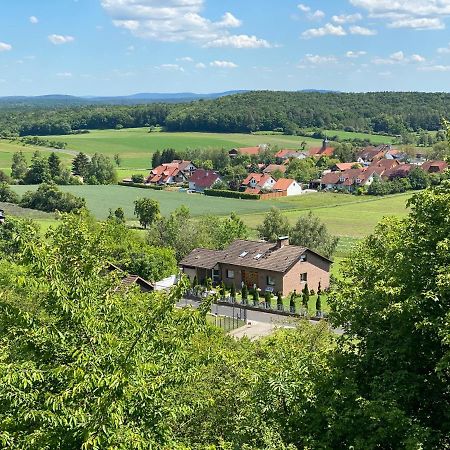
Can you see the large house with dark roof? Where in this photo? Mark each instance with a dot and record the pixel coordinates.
(203, 179)
(275, 267)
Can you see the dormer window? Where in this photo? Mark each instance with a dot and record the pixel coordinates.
(243, 254)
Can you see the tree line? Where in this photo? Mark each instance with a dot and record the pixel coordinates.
(394, 113)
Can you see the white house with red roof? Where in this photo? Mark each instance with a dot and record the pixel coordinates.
(249, 151)
(203, 179)
(177, 171)
(325, 150)
(291, 187)
(255, 182)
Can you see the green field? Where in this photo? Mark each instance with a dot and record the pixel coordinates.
(345, 215)
(136, 145)
(7, 149)
(374, 138)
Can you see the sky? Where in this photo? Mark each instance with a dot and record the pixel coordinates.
(121, 47)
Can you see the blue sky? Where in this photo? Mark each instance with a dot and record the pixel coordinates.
(117, 47)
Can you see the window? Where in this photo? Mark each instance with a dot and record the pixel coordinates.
(303, 257)
(243, 254)
(258, 256)
(270, 281)
(230, 274)
(303, 277)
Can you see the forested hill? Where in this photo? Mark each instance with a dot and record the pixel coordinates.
(384, 112)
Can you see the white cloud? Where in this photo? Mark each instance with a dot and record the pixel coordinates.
(239, 41)
(400, 58)
(177, 21)
(317, 59)
(303, 8)
(347, 18)
(64, 74)
(436, 68)
(352, 54)
(415, 14)
(417, 58)
(362, 31)
(200, 65)
(418, 23)
(444, 50)
(171, 67)
(223, 64)
(33, 19)
(310, 14)
(328, 29)
(4, 47)
(58, 39)
(186, 59)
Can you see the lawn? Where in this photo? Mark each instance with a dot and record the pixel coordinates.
(136, 145)
(100, 199)
(374, 138)
(7, 149)
(356, 218)
(350, 217)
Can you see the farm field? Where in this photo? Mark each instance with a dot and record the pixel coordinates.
(7, 149)
(353, 219)
(345, 215)
(136, 145)
(374, 138)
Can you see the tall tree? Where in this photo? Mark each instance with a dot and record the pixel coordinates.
(101, 170)
(80, 165)
(275, 225)
(39, 171)
(54, 165)
(310, 232)
(19, 166)
(393, 302)
(146, 210)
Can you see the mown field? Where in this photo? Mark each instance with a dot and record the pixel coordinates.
(374, 138)
(136, 145)
(345, 215)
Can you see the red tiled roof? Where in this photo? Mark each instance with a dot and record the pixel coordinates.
(251, 190)
(204, 178)
(260, 179)
(345, 166)
(283, 184)
(400, 171)
(163, 173)
(273, 167)
(434, 166)
(248, 150)
(385, 164)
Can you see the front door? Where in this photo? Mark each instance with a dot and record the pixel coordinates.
(250, 278)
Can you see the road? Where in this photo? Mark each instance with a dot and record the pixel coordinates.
(251, 316)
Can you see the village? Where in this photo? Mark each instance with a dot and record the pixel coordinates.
(268, 175)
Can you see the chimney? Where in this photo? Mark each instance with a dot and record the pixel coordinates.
(282, 241)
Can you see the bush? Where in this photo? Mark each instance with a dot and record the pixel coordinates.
(137, 178)
(231, 194)
(49, 198)
(7, 194)
(142, 186)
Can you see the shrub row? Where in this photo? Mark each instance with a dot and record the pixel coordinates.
(231, 194)
(142, 186)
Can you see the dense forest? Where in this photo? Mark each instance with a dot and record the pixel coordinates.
(380, 112)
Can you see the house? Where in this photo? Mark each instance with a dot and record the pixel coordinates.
(400, 171)
(289, 153)
(278, 267)
(434, 166)
(274, 167)
(2, 216)
(340, 167)
(291, 187)
(370, 154)
(203, 179)
(325, 150)
(177, 171)
(127, 281)
(384, 164)
(255, 182)
(249, 151)
(349, 180)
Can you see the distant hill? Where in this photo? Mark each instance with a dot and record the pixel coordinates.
(139, 98)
